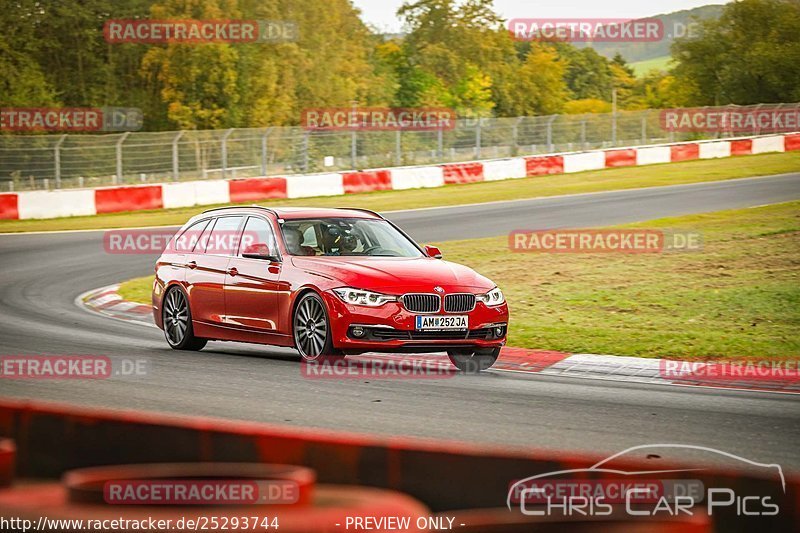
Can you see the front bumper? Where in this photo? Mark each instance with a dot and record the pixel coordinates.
(390, 328)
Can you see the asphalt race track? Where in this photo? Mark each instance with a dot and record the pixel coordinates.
(42, 274)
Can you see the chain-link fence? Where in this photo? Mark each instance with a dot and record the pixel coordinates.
(86, 160)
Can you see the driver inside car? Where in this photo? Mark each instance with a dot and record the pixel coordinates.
(294, 240)
(339, 240)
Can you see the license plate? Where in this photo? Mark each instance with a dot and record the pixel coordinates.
(442, 322)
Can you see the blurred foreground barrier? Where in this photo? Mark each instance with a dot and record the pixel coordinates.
(198, 496)
(8, 453)
(53, 439)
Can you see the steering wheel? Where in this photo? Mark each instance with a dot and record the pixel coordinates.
(377, 248)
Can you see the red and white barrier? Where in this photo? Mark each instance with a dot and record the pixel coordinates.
(742, 147)
(53, 204)
(118, 199)
(190, 193)
(583, 161)
(314, 185)
(770, 143)
(81, 202)
(652, 155)
(463, 172)
(254, 189)
(715, 150)
(684, 152)
(9, 206)
(417, 177)
(791, 142)
(503, 169)
(621, 158)
(544, 165)
(371, 180)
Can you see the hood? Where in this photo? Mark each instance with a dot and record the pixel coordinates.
(396, 275)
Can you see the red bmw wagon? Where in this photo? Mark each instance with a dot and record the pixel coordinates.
(328, 282)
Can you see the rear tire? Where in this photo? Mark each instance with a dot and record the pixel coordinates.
(311, 329)
(177, 320)
(473, 362)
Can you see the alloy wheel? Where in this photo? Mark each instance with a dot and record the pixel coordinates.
(176, 317)
(311, 328)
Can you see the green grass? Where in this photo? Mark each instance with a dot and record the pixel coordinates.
(640, 68)
(601, 180)
(738, 298)
(137, 290)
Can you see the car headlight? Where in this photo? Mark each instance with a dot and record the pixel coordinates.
(362, 297)
(493, 297)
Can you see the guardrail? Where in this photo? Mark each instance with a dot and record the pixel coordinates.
(46, 162)
(77, 202)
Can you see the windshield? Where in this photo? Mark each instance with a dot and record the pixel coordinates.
(346, 237)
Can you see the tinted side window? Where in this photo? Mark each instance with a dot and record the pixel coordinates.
(224, 238)
(189, 238)
(258, 238)
(202, 242)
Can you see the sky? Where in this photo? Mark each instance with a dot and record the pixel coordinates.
(381, 13)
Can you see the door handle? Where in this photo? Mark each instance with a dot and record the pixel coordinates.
(233, 271)
(192, 264)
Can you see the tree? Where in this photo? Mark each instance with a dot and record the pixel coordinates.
(660, 90)
(22, 83)
(587, 105)
(335, 61)
(474, 92)
(588, 74)
(623, 65)
(751, 54)
(461, 53)
(536, 85)
(197, 82)
(626, 84)
(452, 51)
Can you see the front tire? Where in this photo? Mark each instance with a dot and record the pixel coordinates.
(473, 361)
(177, 320)
(312, 330)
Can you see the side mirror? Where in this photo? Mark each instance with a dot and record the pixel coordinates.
(433, 251)
(259, 251)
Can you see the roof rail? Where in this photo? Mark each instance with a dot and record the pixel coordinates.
(370, 211)
(240, 207)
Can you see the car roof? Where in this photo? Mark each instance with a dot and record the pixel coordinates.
(294, 213)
